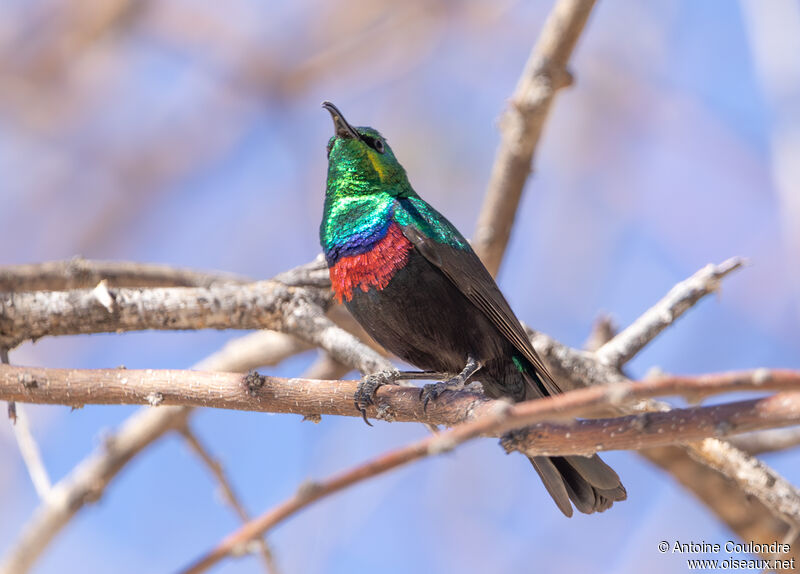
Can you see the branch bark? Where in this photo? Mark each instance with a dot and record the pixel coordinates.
(499, 418)
(215, 467)
(260, 305)
(79, 273)
(76, 387)
(522, 124)
(767, 441)
(623, 347)
(87, 482)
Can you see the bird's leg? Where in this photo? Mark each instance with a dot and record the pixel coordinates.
(368, 385)
(432, 391)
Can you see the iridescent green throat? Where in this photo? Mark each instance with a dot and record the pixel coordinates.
(367, 191)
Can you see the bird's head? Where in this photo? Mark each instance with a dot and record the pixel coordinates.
(360, 162)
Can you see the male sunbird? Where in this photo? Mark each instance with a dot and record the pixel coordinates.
(416, 286)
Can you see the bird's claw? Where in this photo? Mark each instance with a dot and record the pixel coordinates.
(432, 391)
(368, 386)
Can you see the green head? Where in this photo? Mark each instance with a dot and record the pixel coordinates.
(360, 162)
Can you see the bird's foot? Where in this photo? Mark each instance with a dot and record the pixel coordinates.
(432, 391)
(368, 386)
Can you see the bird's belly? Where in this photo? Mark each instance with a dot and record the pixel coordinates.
(421, 317)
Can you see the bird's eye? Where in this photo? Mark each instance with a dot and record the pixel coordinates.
(374, 143)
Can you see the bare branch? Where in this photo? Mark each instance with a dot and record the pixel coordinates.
(227, 489)
(755, 477)
(522, 124)
(12, 406)
(308, 323)
(254, 350)
(79, 273)
(499, 418)
(311, 397)
(767, 441)
(680, 298)
(31, 454)
(312, 274)
(747, 516)
(260, 305)
(86, 482)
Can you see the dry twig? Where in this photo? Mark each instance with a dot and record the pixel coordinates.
(31, 454)
(227, 490)
(767, 441)
(312, 397)
(623, 347)
(500, 418)
(522, 124)
(79, 273)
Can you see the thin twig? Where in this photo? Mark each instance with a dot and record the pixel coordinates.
(309, 323)
(749, 517)
(31, 454)
(88, 480)
(623, 347)
(767, 441)
(12, 406)
(522, 124)
(79, 273)
(499, 419)
(755, 477)
(227, 489)
(254, 350)
(259, 305)
(744, 514)
(85, 483)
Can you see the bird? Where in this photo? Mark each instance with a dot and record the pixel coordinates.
(412, 281)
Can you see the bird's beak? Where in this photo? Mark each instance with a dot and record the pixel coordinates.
(340, 125)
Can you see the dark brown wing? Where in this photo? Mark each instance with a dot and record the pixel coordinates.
(463, 267)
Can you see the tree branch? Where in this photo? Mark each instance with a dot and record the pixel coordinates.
(522, 124)
(497, 419)
(31, 454)
(311, 397)
(79, 273)
(680, 298)
(227, 490)
(755, 477)
(87, 482)
(767, 441)
(747, 516)
(259, 305)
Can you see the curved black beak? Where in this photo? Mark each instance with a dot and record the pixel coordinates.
(340, 125)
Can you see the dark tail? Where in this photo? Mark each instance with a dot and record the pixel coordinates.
(588, 482)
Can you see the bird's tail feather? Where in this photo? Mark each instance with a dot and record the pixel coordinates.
(588, 482)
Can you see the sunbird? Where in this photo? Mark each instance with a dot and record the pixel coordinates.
(413, 282)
